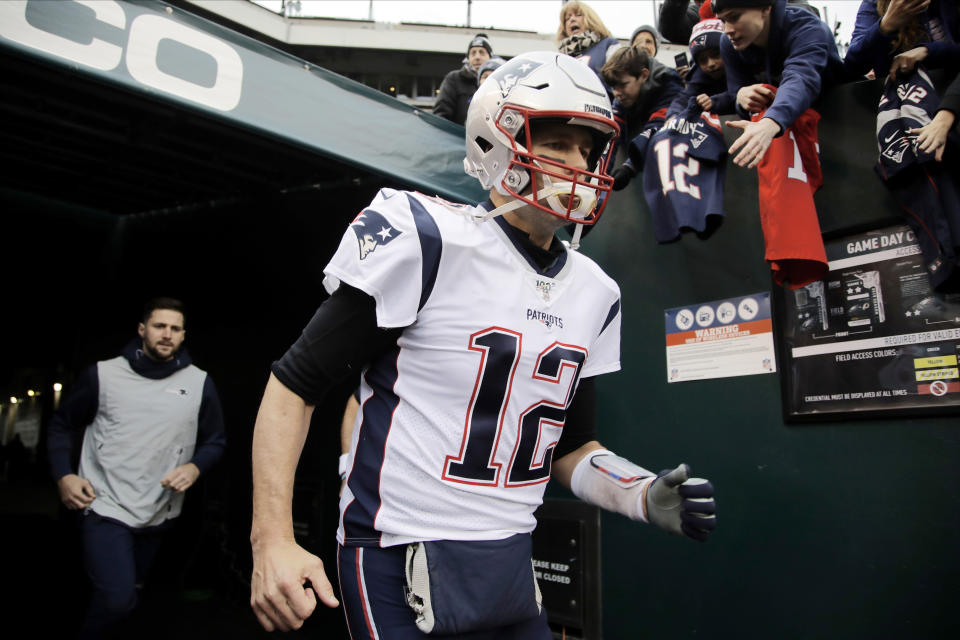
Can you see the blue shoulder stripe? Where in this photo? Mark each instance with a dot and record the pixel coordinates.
(614, 310)
(431, 247)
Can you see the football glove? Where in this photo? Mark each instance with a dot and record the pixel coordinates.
(681, 504)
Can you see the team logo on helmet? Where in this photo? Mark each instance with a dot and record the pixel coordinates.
(373, 230)
(508, 75)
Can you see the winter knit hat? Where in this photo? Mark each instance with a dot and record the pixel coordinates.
(480, 40)
(706, 34)
(651, 31)
(721, 5)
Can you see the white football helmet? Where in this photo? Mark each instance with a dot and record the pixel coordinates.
(540, 85)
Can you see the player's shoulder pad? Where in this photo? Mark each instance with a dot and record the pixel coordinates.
(593, 270)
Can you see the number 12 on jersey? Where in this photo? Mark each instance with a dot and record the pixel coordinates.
(500, 351)
(674, 176)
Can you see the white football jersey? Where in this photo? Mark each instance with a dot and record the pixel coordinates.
(458, 423)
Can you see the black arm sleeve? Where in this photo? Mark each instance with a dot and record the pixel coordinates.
(580, 426)
(340, 339)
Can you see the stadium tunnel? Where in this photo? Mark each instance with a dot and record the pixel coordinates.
(116, 189)
(120, 184)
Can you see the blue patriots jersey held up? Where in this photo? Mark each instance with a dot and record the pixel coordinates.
(926, 190)
(684, 177)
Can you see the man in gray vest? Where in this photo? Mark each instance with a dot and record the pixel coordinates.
(151, 424)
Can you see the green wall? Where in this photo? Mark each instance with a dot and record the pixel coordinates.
(831, 530)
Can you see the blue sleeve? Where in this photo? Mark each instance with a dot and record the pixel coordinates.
(869, 47)
(808, 53)
(699, 82)
(671, 92)
(723, 103)
(78, 409)
(679, 103)
(738, 75)
(637, 151)
(211, 437)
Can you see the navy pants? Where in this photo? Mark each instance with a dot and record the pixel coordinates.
(116, 558)
(371, 587)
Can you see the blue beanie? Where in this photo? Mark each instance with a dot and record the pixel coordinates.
(706, 34)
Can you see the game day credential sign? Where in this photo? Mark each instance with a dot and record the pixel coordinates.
(871, 336)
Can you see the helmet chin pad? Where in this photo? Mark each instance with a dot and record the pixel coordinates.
(580, 199)
(566, 192)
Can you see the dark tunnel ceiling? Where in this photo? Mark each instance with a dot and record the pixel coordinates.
(67, 137)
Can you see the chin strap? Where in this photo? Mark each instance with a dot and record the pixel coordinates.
(499, 211)
(574, 243)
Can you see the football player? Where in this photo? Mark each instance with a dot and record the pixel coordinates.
(479, 334)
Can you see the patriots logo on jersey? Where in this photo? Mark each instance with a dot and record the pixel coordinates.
(897, 149)
(373, 230)
(689, 128)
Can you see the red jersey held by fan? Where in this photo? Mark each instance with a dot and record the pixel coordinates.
(789, 175)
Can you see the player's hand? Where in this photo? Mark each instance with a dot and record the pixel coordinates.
(705, 102)
(622, 176)
(754, 98)
(907, 61)
(681, 504)
(683, 70)
(181, 478)
(75, 492)
(754, 142)
(900, 13)
(933, 135)
(279, 593)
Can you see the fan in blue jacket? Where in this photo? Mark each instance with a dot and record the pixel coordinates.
(788, 47)
(892, 36)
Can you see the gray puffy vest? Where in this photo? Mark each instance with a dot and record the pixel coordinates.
(143, 429)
